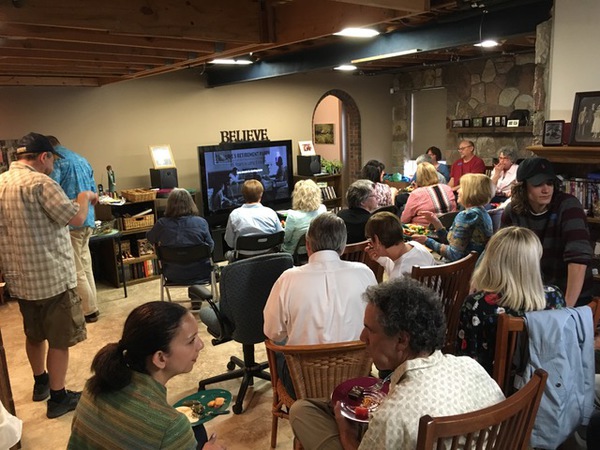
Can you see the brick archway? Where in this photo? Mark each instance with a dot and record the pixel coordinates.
(352, 153)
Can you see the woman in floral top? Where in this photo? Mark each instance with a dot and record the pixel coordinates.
(374, 171)
(508, 281)
(472, 227)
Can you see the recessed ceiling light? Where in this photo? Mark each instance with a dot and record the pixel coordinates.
(357, 32)
(487, 43)
(242, 62)
(345, 67)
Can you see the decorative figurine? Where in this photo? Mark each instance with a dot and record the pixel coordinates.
(112, 184)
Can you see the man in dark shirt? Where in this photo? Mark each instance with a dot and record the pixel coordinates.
(362, 201)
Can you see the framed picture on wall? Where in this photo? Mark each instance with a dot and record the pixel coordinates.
(457, 123)
(477, 121)
(466, 123)
(324, 133)
(585, 128)
(162, 157)
(488, 121)
(553, 131)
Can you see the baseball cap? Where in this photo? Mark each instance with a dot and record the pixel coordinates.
(535, 171)
(35, 143)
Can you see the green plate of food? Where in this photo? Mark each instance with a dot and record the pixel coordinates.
(202, 406)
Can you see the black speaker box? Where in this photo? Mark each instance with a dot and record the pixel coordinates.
(308, 165)
(163, 178)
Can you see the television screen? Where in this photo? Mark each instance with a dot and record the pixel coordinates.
(225, 167)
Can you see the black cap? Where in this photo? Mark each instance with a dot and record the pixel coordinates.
(35, 143)
(535, 171)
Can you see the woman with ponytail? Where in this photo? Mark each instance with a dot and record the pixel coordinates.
(124, 404)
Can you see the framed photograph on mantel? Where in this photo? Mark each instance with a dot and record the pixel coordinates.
(553, 131)
(585, 128)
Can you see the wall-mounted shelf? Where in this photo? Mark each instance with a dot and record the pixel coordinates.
(568, 154)
(493, 130)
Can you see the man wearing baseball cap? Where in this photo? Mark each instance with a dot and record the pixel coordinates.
(559, 220)
(37, 263)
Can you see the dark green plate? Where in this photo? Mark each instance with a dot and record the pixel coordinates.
(204, 397)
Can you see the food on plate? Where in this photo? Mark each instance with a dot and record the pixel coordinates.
(361, 413)
(188, 412)
(410, 229)
(216, 403)
(356, 393)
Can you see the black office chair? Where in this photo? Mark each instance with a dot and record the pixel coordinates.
(244, 288)
(266, 243)
(300, 255)
(179, 257)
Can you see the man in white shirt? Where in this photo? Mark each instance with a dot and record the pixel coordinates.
(251, 218)
(504, 174)
(320, 302)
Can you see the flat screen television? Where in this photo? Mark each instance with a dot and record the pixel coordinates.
(225, 167)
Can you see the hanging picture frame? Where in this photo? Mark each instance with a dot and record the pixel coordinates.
(553, 132)
(585, 128)
(162, 157)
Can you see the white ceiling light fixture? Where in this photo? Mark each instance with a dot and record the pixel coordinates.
(488, 43)
(357, 32)
(242, 62)
(345, 67)
(386, 55)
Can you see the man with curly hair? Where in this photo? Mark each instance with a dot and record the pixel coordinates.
(404, 328)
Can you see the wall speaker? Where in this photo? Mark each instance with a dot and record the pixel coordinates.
(308, 165)
(163, 178)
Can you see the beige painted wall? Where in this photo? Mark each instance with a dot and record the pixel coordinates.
(328, 111)
(116, 123)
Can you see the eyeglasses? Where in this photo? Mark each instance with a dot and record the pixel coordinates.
(503, 157)
(466, 146)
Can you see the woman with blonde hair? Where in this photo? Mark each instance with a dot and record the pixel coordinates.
(306, 205)
(430, 195)
(472, 227)
(508, 280)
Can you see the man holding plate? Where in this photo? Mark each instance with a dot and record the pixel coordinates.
(404, 328)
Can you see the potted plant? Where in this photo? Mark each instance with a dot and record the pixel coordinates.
(331, 167)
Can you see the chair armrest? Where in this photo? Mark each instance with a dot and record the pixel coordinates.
(199, 292)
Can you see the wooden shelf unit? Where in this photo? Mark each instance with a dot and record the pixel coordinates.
(332, 180)
(493, 130)
(568, 154)
(105, 257)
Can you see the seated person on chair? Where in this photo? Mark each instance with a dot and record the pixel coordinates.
(320, 302)
(388, 248)
(507, 281)
(472, 227)
(306, 205)
(504, 175)
(404, 328)
(361, 203)
(430, 195)
(124, 403)
(251, 218)
(181, 226)
(374, 171)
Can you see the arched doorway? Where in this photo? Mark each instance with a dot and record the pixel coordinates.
(350, 152)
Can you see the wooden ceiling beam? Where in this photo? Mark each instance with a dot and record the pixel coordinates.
(402, 5)
(67, 81)
(165, 18)
(42, 55)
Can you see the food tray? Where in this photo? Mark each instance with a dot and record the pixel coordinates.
(132, 223)
(138, 195)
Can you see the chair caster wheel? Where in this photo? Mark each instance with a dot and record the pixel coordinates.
(237, 409)
(230, 365)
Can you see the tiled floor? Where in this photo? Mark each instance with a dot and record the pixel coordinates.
(250, 430)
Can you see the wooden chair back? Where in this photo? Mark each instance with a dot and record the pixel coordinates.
(356, 252)
(315, 370)
(451, 281)
(506, 425)
(508, 331)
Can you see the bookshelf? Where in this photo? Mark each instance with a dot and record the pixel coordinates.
(331, 188)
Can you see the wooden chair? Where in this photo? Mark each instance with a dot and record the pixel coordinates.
(508, 330)
(315, 371)
(451, 281)
(506, 425)
(447, 219)
(356, 252)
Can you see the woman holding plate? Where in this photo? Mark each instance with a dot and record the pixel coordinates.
(472, 227)
(124, 404)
